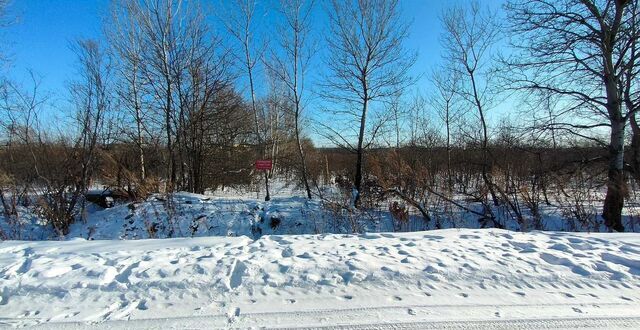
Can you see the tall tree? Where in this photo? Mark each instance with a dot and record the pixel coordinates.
(91, 94)
(581, 51)
(290, 63)
(367, 62)
(470, 34)
(240, 23)
(446, 82)
(204, 78)
(163, 29)
(125, 39)
(631, 85)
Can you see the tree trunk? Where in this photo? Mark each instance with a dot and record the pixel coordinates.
(616, 185)
(448, 129)
(303, 163)
(360, 155)
(635, 147)
(138, 115)
(486, 176)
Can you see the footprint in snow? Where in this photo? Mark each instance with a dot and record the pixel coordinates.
(287, 252)
(142, 305)
(232, 314)
(237, 274)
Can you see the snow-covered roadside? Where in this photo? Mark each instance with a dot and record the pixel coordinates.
(240, 213)
(309, 280)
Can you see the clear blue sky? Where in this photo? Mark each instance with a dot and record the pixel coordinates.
(40, 38)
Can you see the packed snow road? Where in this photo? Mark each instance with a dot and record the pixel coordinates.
(459, 279)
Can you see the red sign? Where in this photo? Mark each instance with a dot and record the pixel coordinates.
(264, 164)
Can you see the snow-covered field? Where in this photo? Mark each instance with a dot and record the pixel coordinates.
(455, 278)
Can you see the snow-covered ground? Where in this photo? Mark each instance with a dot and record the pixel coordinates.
(234, 213)
(455, 278)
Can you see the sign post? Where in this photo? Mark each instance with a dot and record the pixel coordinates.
(265, 165)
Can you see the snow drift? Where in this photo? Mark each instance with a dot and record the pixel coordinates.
(305, 280)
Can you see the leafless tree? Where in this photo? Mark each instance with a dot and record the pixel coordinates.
(582, 51)
(202, 90)
(239, 21)
(164, 24)
(631, 87)
(290, 64)
(418, 118)
(171, 66)
(92, 95)
(276, 113)
(446, 81)
(5, 20)
(65, 166)
(367, 62)
(20, 110)
(125, 38)
(470, 34)
(399, 110)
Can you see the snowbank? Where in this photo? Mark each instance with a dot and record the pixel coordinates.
(445, 275)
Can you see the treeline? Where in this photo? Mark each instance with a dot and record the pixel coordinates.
(168, 101)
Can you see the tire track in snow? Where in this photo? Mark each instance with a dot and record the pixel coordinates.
(578, 323)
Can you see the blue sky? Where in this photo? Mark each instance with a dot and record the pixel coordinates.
(40, 38)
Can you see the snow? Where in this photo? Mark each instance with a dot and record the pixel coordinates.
(431, 279)
(241, 211)
(229, 259)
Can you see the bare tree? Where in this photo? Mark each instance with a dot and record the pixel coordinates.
(398, 112)
(66, 166)
(630, 86)
(164, 25)
(446, 82)
(470, 34)
(92, 96)
(581, 51)
(20, 122)
(4, 22)
(367, 62)
(239, 22)
(418, 124)
(125, 38)
(201, 88)
(290, 65)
